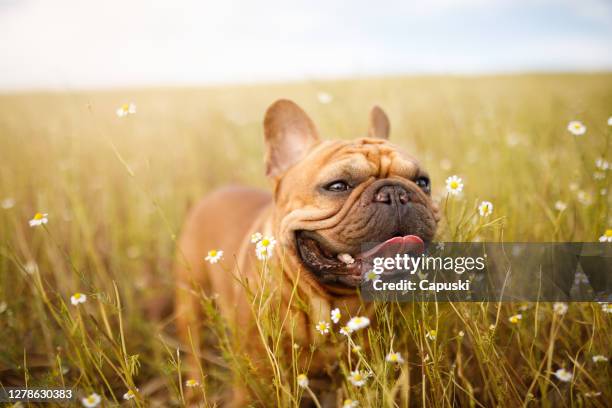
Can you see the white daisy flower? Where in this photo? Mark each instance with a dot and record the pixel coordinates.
(461, 333)
(576, 128)
(126, 109)
(560, 308)
(349, 403)
(560, 206)
(78, 298)
(265, 247)
(91, 401)
(7, 203)
(431, 334)
(515, 319)
(454, 185)
(130, 394)
(371, 276)
(492, 327)
(607, 236)
(214, 256)
(606, 307)
(256, 237)
(344, 330)
(598, 175)
(563, 375)
(584, 198)
(323, 327)
(191, 383)
(39, 219)
(600, 359)
(336, 315)
(592, 394)
(358, 378)
(324, 98)
(394, 357)
(602, 164)
(485, 208)
(357, 323)
(610, 121)
(302, 380)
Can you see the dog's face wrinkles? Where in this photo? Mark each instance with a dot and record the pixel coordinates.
(341, 195)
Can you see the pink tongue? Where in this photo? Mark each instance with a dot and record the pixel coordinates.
(410, 244)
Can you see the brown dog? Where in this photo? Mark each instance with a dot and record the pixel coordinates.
(329, 197)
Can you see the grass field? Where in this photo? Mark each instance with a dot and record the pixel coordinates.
(116, 191)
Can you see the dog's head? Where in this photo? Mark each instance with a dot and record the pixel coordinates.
(332, 197)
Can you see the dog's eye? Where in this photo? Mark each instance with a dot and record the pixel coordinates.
(337, 186)
(423, 183)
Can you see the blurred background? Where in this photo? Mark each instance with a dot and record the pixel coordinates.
(69, 44)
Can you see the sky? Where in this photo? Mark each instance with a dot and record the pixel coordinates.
(74, 44)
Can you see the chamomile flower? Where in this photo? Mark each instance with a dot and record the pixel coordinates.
(256, 237)
(358, 378)
(357, 323)
(606, 307)
(602, 164)
(607, 236)
(491, 327)
(130, 394)
(214, 256)
(349, 403)
(515, 319)
(265, 247)
(431, 334)
(336, 315)
(323, 327)
(394, 357)
(454, 185)
(7, 203)
(610, 121)
(78, 298)
(344, 330)
(191, 383)
(560, 308)
(485, 209)
(302, 381)
(576, 128)
(461, 333)
(324, 98)
(563, 375)
(560, 206)
(39, 219)
(371, 276)
(91, 401)
(126, 109)
(600, 359)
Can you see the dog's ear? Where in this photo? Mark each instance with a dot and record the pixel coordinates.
(289, 133)
(379, 124)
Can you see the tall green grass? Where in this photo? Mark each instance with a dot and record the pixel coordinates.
(116, 191)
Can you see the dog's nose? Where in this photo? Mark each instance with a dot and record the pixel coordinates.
(392, 195)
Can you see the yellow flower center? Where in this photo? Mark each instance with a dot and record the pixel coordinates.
(454, 185)
(91, 399)
(393, 357)
(77, 295)
(608, 233)
(212, 253)
(432, 333)
(265, 242)
(125, 107)
(577, 126)
(357, 377)
(38, 216)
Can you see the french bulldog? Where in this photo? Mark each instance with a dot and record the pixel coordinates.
(328, 198)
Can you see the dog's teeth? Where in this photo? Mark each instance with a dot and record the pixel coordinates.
(346, 258)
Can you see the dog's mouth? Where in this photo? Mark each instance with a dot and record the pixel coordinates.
(345, 268)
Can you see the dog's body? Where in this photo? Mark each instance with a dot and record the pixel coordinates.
(330, 197)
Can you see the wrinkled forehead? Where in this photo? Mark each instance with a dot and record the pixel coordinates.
(362, 158)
